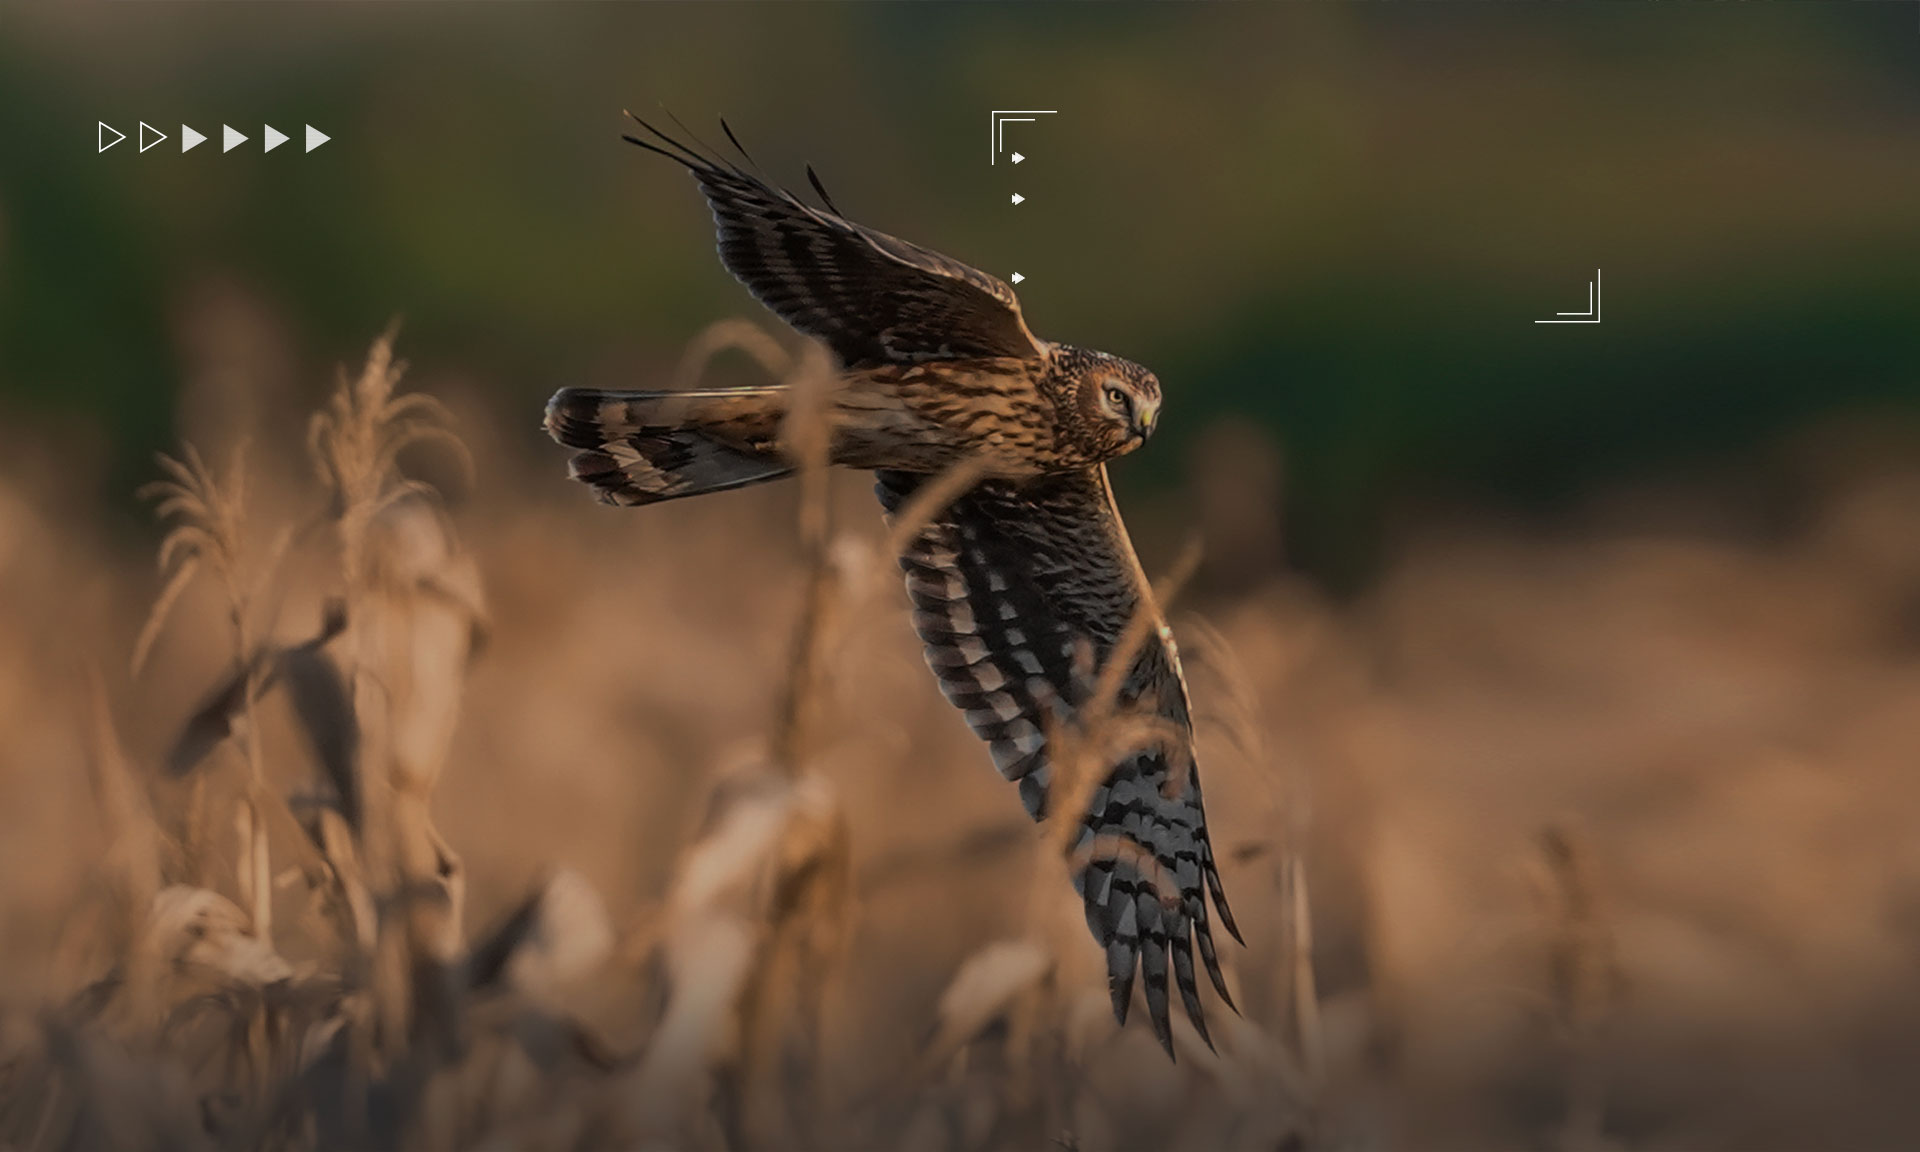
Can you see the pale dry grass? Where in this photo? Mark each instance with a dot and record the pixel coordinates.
(530, 824)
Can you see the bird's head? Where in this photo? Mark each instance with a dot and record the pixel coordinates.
(1118, 400)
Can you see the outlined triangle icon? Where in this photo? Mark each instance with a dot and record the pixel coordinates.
(117, 135)
(149, 135)
(229, 139)
(188, 138)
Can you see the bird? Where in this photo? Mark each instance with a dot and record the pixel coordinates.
(1017, 585)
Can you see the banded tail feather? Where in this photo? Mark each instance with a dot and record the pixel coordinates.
(646, 447)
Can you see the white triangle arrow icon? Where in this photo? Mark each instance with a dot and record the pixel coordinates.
(1017, 277)
(273, 138)
(229, 138)
(1017, 198)
(188, 138)
(117, 136)
(149, 135)
(315, 137)
(1017, 157)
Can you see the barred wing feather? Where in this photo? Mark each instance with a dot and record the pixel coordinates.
(1007, 584)
(873, 298)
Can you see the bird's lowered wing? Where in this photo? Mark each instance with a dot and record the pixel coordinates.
(1009, 583)
(873, 298)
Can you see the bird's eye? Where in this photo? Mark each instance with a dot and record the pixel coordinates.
(1117, 398)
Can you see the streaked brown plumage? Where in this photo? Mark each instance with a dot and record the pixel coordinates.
(1016, 581)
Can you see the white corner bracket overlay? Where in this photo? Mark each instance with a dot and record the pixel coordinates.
(1591, 315)
(997, 137)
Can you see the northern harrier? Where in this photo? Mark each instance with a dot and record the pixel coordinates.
(1015, 580)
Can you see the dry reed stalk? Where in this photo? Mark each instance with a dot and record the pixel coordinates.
(737, 334)
(1082, 744)
(806, 436)
(555, 939)
(1238, 719)
(191, 959)
(837, 580)
(751, 922)
(931, 499)
(209, 522)
(804, 916)
(433, 609)
(990, 1057)
(1308, 1035)
(1296, 1060)
(395, 880)
(1584, 978)
(757, 914)
(133, 835)
(133, 853)
(863, 570)
(199, 935)
(987, 987)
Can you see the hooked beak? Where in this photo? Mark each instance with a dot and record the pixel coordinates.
(1144, 421)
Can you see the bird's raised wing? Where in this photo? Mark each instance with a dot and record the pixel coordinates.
(874, 299)
(1008, 584)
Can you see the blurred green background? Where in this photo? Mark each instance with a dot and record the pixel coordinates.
(1340, 220)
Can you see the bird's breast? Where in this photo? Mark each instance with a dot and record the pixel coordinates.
(925, 417)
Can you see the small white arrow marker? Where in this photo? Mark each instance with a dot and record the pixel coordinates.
(273, 138)
(117, 136)
(315, 137)
(1017, 198)
(188, 138)
(1017, 157)
(1017, 277)
(229, 138)
(149, 135)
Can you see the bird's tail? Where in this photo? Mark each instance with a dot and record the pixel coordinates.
(645, 447)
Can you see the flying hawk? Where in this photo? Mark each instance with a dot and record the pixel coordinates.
(1015, 579)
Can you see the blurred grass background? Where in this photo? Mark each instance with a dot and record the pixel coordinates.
(1338, 219)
